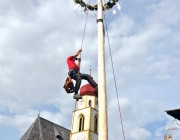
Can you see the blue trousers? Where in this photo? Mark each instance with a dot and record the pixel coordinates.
(78, 76)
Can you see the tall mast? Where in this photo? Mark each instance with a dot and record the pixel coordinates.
(103, 128)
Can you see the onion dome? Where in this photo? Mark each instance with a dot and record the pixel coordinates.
(88, 90)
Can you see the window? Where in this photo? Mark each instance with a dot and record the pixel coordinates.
(90, 103)
(58, 137)
(81, 123)
(95, 124)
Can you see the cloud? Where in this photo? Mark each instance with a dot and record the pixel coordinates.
(23, 121)
(144, 134)
(38, 35)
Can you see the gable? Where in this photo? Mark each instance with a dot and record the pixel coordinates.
(42, 129)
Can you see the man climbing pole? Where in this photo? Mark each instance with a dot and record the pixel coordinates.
(76, 75)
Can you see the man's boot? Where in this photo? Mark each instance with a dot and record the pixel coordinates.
(77, 96)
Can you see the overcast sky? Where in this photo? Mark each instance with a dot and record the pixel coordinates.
(36, 37)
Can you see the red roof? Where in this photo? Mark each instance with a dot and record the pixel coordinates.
(88, 90)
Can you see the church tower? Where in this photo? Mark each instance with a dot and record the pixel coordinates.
(85, 117)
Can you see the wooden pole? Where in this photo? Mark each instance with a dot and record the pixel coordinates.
(102, 99)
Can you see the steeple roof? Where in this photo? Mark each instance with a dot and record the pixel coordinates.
(42, 129)
(88, 90)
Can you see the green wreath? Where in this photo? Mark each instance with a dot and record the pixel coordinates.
(106, 6)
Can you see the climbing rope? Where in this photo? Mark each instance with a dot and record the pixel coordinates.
(84, 32)
(80, 53)
(114, 80)
(85, 27)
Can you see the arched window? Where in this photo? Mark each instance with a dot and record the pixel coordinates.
(90, 103)
(95, 124)
(81, 123)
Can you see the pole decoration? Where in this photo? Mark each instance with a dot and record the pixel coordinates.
(106, 6)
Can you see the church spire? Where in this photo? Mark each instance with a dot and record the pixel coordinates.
(85, 117)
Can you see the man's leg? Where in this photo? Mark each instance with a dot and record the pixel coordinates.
(78, 82)
(90, 80)
(77, 78)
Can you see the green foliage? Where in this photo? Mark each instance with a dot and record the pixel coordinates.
(106, 6)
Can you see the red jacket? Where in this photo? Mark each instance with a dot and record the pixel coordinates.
(71, 64)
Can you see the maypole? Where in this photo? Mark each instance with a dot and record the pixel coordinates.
(102, 99)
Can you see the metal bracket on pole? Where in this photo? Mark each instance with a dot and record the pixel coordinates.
(99, 20)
